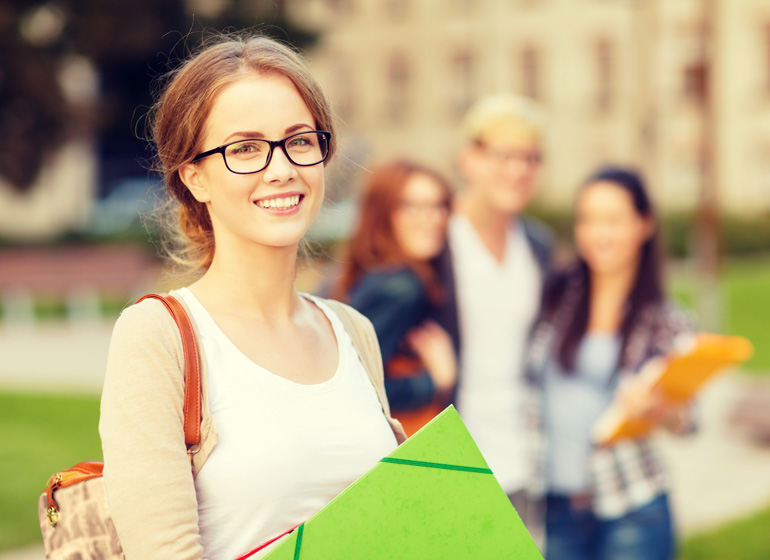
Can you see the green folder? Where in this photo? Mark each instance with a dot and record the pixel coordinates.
(433, 497)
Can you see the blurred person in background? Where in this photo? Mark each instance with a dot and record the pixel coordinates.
(390, 276)
(493, 270)
(604, 319)
(290, 417)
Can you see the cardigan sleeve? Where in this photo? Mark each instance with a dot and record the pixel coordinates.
(147, 472)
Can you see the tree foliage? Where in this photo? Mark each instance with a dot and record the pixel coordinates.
(130, 43)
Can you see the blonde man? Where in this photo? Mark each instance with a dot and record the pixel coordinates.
(493, 270)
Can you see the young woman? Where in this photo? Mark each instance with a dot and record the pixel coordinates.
(602, 321)
(390, 277)
(290, 417)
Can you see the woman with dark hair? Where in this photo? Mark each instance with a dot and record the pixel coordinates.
(602, 321)
(390, 277)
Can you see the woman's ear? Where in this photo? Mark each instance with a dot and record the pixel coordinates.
(193, 180)
(650, 227)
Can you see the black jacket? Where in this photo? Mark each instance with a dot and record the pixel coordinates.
(395, 301)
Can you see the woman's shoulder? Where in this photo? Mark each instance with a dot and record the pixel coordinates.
(664, 324)
(346, 313)
(560, 284)
(398, 282)
(147, 315)
(144, 325)
(670, 315)
(358, 327)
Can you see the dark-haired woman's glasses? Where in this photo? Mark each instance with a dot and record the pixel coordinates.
(254, 154)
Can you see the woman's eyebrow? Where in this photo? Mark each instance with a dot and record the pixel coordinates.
(298, 127)
(244, 134)
(260, 135)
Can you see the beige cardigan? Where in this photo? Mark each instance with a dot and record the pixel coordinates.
(147, 475)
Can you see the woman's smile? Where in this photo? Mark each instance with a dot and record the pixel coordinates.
(282, 204)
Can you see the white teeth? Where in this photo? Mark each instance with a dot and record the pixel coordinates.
(286, 202)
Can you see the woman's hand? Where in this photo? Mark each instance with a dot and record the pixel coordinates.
(434, 347)
(642, 400)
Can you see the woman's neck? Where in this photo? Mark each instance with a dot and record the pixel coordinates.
(609, 295)
(256, 280)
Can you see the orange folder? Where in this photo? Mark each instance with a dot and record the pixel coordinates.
(686, 371)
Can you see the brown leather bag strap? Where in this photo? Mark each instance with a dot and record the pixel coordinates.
(192, 367)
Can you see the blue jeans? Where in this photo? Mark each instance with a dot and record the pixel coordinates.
(577, 534)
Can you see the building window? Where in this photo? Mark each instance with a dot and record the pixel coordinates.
(399, 77)
(766, 40)
(691, 47)
(463, 6)
(694, 81)
(525, 4)
(343, 88)
(605, 75)
(530, 73)
(396, 10)
(341, 7)
(461, 83)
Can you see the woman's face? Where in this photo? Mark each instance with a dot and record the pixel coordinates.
(273, 207)
(609, 232)
(420, 218)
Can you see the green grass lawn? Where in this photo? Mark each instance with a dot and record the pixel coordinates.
(745, 302)
(746, 539)
(40, 435)
(747, 295)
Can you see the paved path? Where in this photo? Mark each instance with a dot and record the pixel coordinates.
(717, 475)
(54, 356)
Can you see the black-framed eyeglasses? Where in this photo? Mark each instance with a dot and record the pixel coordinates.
(252, 155)
(532, 158)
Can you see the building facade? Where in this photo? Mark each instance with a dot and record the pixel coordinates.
(619, 81)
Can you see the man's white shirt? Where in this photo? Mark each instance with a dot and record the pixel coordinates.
(497, 303)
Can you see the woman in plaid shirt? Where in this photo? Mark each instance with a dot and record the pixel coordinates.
(602, 320)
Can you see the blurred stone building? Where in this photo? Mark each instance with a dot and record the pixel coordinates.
(619, 81)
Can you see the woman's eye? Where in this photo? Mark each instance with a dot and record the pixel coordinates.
(245, 148)
(300, 142)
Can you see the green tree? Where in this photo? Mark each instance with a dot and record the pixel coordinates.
(130, 42)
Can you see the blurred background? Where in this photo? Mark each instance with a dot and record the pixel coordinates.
(678, 88)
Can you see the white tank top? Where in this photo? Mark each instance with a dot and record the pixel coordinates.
(284, 449)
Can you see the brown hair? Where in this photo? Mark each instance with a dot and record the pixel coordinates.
(374, 244)
(178, 118)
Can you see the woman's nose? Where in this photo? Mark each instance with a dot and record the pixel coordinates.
(280, 168)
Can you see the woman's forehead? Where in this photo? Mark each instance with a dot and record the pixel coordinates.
(267, 105)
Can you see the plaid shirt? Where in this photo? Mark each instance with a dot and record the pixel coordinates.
(628, 474)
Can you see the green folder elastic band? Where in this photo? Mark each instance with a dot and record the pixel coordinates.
(299, 541)
(435, 465)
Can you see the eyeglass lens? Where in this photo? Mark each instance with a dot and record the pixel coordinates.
(250, 156)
